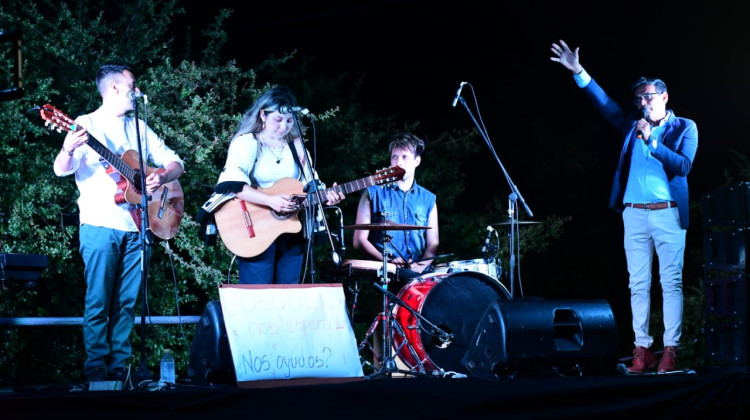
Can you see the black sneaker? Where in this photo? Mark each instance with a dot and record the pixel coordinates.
(97, 374)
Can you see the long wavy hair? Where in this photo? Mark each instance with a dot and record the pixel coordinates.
(269, 101)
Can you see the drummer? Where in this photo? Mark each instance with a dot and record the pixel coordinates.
(406, 203)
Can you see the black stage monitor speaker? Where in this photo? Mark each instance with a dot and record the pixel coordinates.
(210, 357)
(532, 336)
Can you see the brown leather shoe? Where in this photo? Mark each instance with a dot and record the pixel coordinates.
(668, 360)
(643, 360)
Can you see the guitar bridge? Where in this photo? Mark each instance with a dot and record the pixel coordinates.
(247, 220)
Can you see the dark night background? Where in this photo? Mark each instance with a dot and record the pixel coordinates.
(556, 148)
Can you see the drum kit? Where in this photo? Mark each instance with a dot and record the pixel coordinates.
(427, 327)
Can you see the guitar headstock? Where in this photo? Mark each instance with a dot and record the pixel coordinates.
(389, 175)
(55, 119)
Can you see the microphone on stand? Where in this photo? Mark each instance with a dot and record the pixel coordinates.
(133, 94)
(458, 93)
(288, 109)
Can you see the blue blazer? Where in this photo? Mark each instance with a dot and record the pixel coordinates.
(676, 150)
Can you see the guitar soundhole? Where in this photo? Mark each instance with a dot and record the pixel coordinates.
(281, 216)
(137, 181)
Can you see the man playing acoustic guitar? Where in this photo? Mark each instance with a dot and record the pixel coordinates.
(110, 242)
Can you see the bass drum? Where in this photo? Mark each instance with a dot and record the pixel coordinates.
(455, 303)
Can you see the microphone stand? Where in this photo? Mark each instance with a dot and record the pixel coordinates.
(515, 194)
(146, 241)
(514, 231)
(310, 211)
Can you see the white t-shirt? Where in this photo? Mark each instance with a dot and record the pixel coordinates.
(97, 189)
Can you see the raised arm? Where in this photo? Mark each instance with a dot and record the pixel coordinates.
(569, 59)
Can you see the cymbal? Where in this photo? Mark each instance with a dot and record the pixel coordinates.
(520, 222)
(386, 225)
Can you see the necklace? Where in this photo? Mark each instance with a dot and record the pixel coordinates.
(277, 152)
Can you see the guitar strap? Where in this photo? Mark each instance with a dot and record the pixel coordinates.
(251, 175)
(296, 157)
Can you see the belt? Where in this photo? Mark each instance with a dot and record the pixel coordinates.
(653, 206)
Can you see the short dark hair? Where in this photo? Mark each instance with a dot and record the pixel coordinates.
(659, 84)
(108, 70)
(406, 141)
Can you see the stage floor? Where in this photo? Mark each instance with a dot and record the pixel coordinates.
(714, 394)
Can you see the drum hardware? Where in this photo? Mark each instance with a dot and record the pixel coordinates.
(434, 330)
(393, 328)
(354, 289)
(514, 240)
(385, 318)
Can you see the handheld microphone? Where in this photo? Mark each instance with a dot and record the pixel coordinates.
(639, 133)
(133, 94)
(486, 245)
(458, 93)
(288, 109)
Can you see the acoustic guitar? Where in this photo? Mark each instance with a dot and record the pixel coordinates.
(167, 204)
(248, 229)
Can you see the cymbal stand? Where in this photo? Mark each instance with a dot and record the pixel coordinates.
(515, 193)
(382, 316)
(390, 326)
(387, 355)
(434, 330)
(387, 361)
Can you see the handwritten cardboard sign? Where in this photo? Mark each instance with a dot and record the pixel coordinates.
(289, 331)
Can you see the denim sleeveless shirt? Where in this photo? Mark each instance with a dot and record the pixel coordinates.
(404, 207)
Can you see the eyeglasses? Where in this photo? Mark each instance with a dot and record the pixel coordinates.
(647, 96)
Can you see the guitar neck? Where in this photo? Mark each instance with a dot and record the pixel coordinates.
(114, 160)
(346, 188)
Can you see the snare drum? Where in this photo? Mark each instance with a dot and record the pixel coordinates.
(455, 303)
(367, 267)
(486, 267)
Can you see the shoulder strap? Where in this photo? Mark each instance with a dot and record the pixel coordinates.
(251, 175)
(296, 157)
